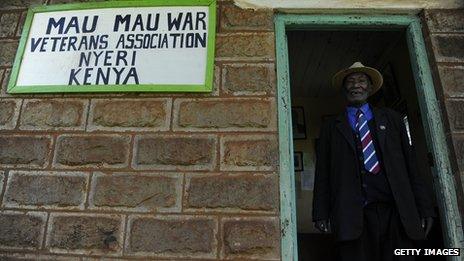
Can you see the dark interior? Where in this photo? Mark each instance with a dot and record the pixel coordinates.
(314, 57)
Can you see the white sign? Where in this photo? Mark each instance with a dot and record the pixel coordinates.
(161, 45)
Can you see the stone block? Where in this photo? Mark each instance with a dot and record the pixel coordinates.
(53, 114)
(245, 46)
(30, 151)
(180, 152)
(225, 114)
(8, 24)
(245, 192)
(248, 79)
(144, 192)
(452, 80)
(107, 151)
(130, 114)
(9, 111)
(85, 234)
(249, 153)
(448, 48)
(19, 230)
(7, 52)
(46, 189)
(256, 238)
(455, 110)
(11, 4)
(445, 20)
(236, 18)
(171, 236)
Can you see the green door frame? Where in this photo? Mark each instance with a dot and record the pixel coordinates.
(431, 117)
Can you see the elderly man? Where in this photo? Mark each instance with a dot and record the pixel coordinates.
(367, 189)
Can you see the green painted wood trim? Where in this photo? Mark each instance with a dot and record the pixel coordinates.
(442, 174)
(289, 249)
(445, 187)
(207, 87)
(345, 22)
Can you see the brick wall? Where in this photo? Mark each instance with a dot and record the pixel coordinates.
(445, 39)
(144, 175)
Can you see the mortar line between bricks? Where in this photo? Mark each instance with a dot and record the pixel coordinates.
(128, 133)
(220, 237)
(217, 168)
(454, 99)
(20, 132)
(183, 192)
(230, 95)
(45, 231)
(52, 151)
(243, 32)
(241, 62)
(18, 121)
(445, 33)
(124, 234)
(14, 39)
(171, 120)
(188, 98)
(86, 123)
(131, 155)
(5, 67)
(10, 38)
(224, 31)
(230, 172)
(2, 76)
(12, 252)
(220, 72)
(6, 175)
(450, 63)
(99, 212)
(88, 188)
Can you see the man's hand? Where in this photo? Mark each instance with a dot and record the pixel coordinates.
(322, 225)
(427, 224)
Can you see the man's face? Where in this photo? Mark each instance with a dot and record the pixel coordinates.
(357, 87)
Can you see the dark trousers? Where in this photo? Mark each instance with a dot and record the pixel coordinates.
(382, 234)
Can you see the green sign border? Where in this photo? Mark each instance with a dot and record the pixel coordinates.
(207, 87)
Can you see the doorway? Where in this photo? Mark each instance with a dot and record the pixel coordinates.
(314, 57)
(310, 49)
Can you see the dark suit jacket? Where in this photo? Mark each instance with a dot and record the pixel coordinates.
(337, 188)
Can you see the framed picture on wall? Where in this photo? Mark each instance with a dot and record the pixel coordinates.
(298, 123)
(298, 161)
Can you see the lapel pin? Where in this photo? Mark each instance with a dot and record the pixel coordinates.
(382, 127)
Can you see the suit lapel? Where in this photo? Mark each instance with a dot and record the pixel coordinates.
(381, 126)
(345, 129)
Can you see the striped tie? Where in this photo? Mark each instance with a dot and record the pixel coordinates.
(371, 163)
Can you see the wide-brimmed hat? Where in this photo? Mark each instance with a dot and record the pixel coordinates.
(376, 76)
